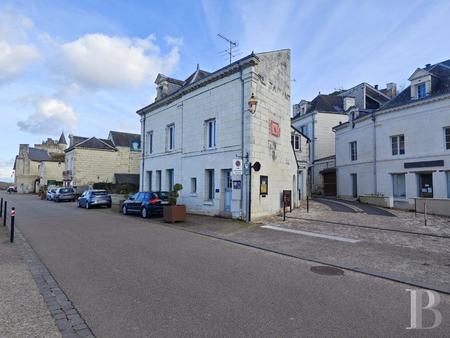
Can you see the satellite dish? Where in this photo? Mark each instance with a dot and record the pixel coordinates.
(256, 166)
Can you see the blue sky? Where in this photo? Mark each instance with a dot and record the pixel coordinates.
(85, 67)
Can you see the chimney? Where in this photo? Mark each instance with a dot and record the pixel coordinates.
(70, 140)
(391, 89)
(376, 87)
(349, 102)
(23, 148)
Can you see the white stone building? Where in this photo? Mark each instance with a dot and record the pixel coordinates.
(196, 128)
(316, 120)
(403, 149)
(301, 145)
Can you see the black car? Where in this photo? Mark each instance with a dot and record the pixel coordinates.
(164, 196)
(64, 194)
(94, 198)
(144, 203)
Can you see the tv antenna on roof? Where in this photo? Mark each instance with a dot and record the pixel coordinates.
(229, 50)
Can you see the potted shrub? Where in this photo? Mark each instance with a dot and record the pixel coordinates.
(174, 213)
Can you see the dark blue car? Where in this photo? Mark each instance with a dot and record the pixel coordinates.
(144, 203)
(94, 198)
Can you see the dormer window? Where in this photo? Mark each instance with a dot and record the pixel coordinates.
(421, 91)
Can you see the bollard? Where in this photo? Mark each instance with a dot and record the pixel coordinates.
(425, 213)
(5, 211)
(1, 207)
(307, 203)
(13, 216)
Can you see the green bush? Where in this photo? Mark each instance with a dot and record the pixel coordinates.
(173, 195)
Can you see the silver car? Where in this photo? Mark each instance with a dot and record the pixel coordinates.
(51, 194)
(64, 194)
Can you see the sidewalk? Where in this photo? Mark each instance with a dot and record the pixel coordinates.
(23, 312)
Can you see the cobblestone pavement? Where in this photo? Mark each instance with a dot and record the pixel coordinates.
(23, 312)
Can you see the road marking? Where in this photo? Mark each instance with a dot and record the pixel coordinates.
(351, 206)
(312, 234)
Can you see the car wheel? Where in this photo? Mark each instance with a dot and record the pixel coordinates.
(144, 212)
(87, 205)
(124, 210)
(108, 205)
(78, 205)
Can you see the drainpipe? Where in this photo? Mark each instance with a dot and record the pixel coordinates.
(242, 138)
(374, 154)
(143, 153)
(313, 150)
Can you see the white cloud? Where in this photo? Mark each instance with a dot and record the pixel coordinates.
(172, 41)
(102, 61)
(14, 59)
(15, 52)
(51, 116)
(6, 168)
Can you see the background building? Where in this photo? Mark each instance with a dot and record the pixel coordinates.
(316, 119)
(403, 149)
(196, 128)
(39, 166)
(112, 160)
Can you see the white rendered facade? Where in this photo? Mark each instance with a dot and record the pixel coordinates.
(410, 147)
(192, 137)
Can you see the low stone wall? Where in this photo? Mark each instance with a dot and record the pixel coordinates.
(435, 206)
(381, 201)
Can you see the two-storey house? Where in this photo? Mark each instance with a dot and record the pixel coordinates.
(401, 150)
(206, 131)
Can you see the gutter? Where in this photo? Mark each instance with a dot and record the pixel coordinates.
(374, 119)
(241, 204)
(143, 152)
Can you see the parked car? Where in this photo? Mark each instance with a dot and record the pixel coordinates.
(145, 203)
(94, 198)
(164, 196)
(11, 189)
(51, 194)
(64, 194)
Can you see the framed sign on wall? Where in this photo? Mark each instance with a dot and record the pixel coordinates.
(263, 185)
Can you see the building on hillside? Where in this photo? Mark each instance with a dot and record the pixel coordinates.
(402, 149)
(301, 144)
(113, 160)
(316, 119)
(39, 166)
(199, 129)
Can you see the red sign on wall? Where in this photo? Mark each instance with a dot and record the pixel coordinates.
(274, 128)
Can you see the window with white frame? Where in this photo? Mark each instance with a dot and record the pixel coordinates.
(398, 144)
(353, 151)
(447, 137)
(150, 142)
(169, 173)
(295, 141)
(398, 185)
(158, 180)
(209, 184)
(170, 137)
(210, 133)
(193, 185)
(421, 90)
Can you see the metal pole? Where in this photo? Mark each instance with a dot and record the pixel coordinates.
(13, 216)
(250, 192)
(5, 211)
(307, 203)
(415, 207)
(1, 207)
(284, 209)
(425, 213)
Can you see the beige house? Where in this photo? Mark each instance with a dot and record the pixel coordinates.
(38, 166)
(113, 160)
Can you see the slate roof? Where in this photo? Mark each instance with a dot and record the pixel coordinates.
(38, 155)
(441, 86)
(62, 139)
(91, 143)
(120, 139)
(327, 103)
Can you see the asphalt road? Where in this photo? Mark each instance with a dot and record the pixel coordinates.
(131, 277)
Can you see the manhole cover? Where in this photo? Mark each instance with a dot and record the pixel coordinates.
(327, 270)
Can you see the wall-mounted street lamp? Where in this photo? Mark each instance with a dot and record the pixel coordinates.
(252, 102)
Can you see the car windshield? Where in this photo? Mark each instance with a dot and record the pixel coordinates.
(65, 190)
(99, 193)
(163, 195)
